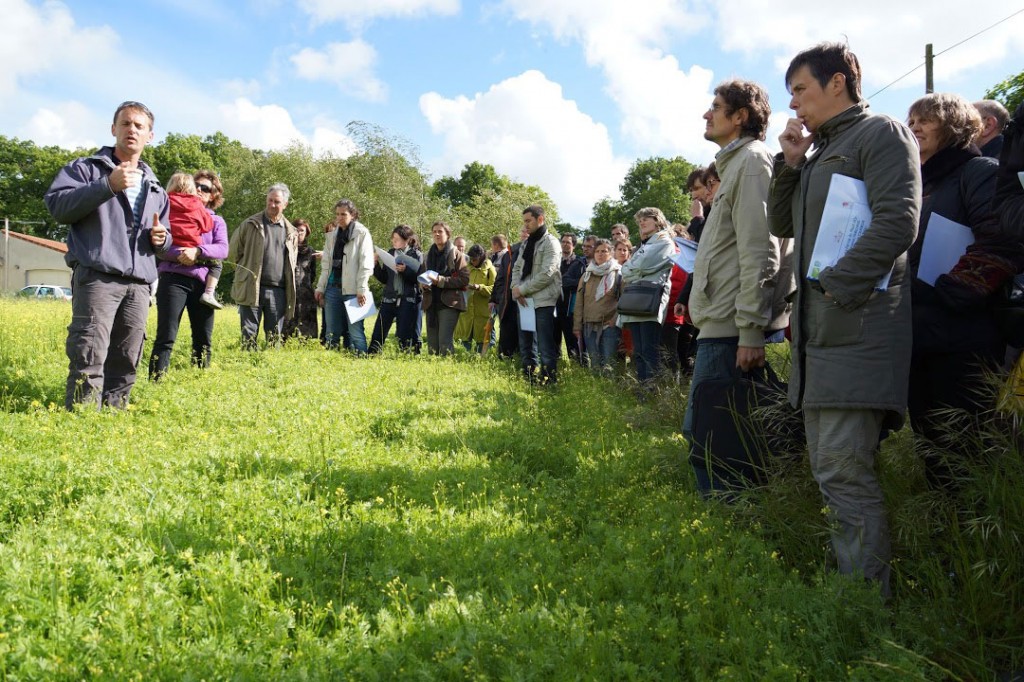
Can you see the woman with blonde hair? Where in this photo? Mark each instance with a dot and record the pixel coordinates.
(651, 262)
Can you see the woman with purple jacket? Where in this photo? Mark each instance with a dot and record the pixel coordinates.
(182, 283)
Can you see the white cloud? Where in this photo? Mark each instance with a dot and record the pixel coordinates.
(327, 141)
(347, 65)
(661, 103)
(265, 127)
(37, 40)
(355, 12)
(527, 130)
(63, 126)
(889, 39)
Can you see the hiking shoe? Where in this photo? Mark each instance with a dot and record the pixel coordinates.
(210, 300)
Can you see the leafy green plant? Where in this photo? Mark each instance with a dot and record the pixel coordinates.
(304, 514)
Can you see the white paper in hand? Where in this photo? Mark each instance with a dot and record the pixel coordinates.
(358, 312)
(845, 218)
(386, 259)
(528, 316)
(944, 242)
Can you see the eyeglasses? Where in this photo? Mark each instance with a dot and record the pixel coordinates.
(205, 189)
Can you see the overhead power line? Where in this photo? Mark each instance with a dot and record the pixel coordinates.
(1001, 21)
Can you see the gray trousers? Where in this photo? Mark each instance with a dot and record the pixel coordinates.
(271, 308)
(842, 446)
(105, 337)
(441, 329)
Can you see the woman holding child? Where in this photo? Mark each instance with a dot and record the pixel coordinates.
(188, 276)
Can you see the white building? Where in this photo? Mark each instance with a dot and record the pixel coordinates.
(25, 259)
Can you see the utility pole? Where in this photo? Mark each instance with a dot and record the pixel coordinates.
(929, 79)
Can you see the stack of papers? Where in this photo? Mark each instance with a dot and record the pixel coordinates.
(845, 218)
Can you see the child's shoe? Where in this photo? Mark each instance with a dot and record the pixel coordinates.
(210, 300)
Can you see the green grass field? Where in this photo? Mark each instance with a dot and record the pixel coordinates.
(301, 514)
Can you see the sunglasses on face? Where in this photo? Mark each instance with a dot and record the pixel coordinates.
(205, 189)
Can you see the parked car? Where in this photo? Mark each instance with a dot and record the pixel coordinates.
(51, 291)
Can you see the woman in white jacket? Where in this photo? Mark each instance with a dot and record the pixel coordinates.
(347, 264)
(652, 261)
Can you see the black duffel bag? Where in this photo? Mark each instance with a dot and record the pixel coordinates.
(740, 425)
(641, 298)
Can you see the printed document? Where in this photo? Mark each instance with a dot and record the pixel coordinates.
(845, 218)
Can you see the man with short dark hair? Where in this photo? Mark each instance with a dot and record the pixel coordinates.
(264, 249)
(589, 242)
(742, 274)
(994, 118)
(118, 216)
(536, 276)
(620, 233)
(851, 341)
(698, 201)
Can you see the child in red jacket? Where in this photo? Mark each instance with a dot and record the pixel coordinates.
(189, 221)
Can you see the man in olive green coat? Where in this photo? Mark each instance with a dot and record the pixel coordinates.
(264, 249)
(851, 341)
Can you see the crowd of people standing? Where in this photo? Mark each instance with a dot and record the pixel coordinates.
(870, 333)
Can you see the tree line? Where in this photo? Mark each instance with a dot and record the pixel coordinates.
(384, 178)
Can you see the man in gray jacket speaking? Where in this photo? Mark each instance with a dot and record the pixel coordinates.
(851, 335)
(118, 216)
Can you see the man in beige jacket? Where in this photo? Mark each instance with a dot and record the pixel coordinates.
(737, 298)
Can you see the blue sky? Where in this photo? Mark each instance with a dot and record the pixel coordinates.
(560, 93)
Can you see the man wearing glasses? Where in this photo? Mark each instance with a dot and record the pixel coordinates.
(118, 217)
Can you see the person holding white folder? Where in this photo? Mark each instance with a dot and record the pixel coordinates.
(345, 276)
(851, 342)
(955, 336)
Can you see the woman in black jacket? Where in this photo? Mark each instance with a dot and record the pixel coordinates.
(955, 337)
(445, 277)
(303, 322)
(401, 301)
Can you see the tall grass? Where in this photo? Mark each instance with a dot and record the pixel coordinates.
(302, 514)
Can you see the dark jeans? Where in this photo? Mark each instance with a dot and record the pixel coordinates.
(508, 339)
(339, 327)
(407, 314)
(563, 327)
(599, 351)
(175, 294)
(544, 342)
(646, 349)
(271, 309)
(105, 337)
(670, 346)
